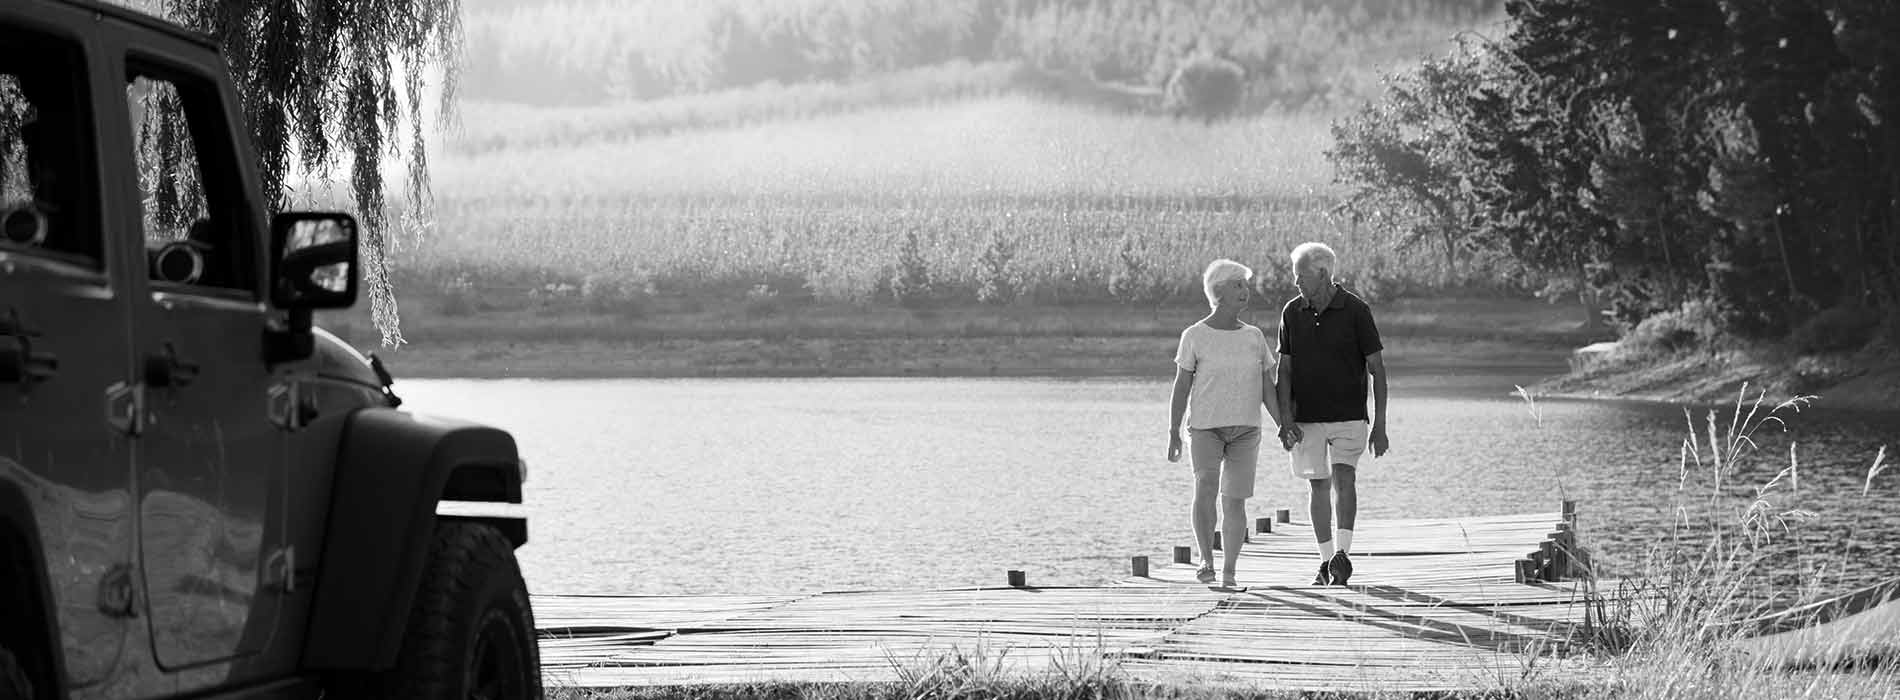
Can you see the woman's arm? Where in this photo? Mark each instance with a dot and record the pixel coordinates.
(1177, 407)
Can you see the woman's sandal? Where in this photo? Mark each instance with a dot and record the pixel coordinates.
(1205, 575)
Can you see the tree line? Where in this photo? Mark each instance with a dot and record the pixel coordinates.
(1738, 155)
(594, 51)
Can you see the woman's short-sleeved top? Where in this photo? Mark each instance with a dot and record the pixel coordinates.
(1230, 367)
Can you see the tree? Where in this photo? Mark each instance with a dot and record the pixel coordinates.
(1741, 153)
(334, 83)
(1408, 158)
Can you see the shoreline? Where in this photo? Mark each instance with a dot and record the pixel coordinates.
(1527, 338)
(971, 357)
(1690, 381)
(1862, 381)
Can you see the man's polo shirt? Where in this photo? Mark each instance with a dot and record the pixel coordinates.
(1329, 348)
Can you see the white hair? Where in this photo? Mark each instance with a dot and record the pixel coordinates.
(1316, 256)
(1220, 271)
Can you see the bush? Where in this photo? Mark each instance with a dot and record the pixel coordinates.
(997, 280)
(1696, 325)
(1206, 88)
(628, 296)
(761, 301)
(911, 281)
(1839, 329)
(1134, 280)
(458, 297)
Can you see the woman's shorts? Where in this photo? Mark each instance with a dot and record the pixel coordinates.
(1231, 452)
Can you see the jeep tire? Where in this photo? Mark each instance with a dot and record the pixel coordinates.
(470, 634)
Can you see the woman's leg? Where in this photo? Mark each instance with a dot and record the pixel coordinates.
(1237, 482)
(1233, 533)
(1205, 449)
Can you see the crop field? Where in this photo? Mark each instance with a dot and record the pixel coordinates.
(1053, 202)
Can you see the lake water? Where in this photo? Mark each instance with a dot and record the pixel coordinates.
(795, 485)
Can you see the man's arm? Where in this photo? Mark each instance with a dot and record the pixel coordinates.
(1375, 365)
(1283, 395)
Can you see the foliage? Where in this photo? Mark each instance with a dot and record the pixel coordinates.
(1742, 152)
(558, 51)
(911, 283)
(1838, 329)
(998, 282)
(1206, 88)
(1695, 325)
(336, 84)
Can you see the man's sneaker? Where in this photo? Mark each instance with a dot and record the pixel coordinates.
(1325, 577)
(1340, 567)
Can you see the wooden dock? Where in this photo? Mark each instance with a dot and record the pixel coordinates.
(1433, 605)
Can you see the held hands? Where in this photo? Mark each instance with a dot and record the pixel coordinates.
(1174, 446)
(1379, 441)
(1290, 435)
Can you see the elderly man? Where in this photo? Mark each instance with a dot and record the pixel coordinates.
(1328, 345)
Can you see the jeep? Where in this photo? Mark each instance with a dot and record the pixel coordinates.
(201, 493)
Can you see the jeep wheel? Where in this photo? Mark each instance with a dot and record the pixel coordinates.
(470, 634)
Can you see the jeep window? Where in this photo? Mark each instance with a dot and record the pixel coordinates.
(49, 203)
(198, 235)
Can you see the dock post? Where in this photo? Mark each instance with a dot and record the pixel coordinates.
(1283, 516)
(1566, 550)
(1570, 511)
(1526, 571)
(1559, 556)
(1217, 540)
(1139, 565)
(1263, 525)
(1016, 579)
(1546, 559)
(1183, 554)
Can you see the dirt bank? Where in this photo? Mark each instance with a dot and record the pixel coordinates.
(1865, 380)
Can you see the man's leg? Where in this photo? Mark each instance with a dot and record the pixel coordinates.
(1346, 501)
(1347, 444)
(1339, 568)
(1320, 505)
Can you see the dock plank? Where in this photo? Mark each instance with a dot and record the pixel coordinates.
(1432, 606)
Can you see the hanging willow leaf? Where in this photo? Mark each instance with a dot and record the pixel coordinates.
(318, 84)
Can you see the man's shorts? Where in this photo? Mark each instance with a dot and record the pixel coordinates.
(1229, 452)
(1323, 445)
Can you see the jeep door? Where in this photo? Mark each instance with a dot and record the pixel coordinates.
(65, 404)
(210, 460)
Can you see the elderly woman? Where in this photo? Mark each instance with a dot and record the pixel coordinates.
(1223, 375)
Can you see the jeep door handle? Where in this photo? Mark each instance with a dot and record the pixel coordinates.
(20, 364)
(163, 369)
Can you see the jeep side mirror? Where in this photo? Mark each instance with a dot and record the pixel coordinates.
(312, 266)
(313, 261)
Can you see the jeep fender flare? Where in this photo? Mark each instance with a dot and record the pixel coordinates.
(20, 539)
(391, 470)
